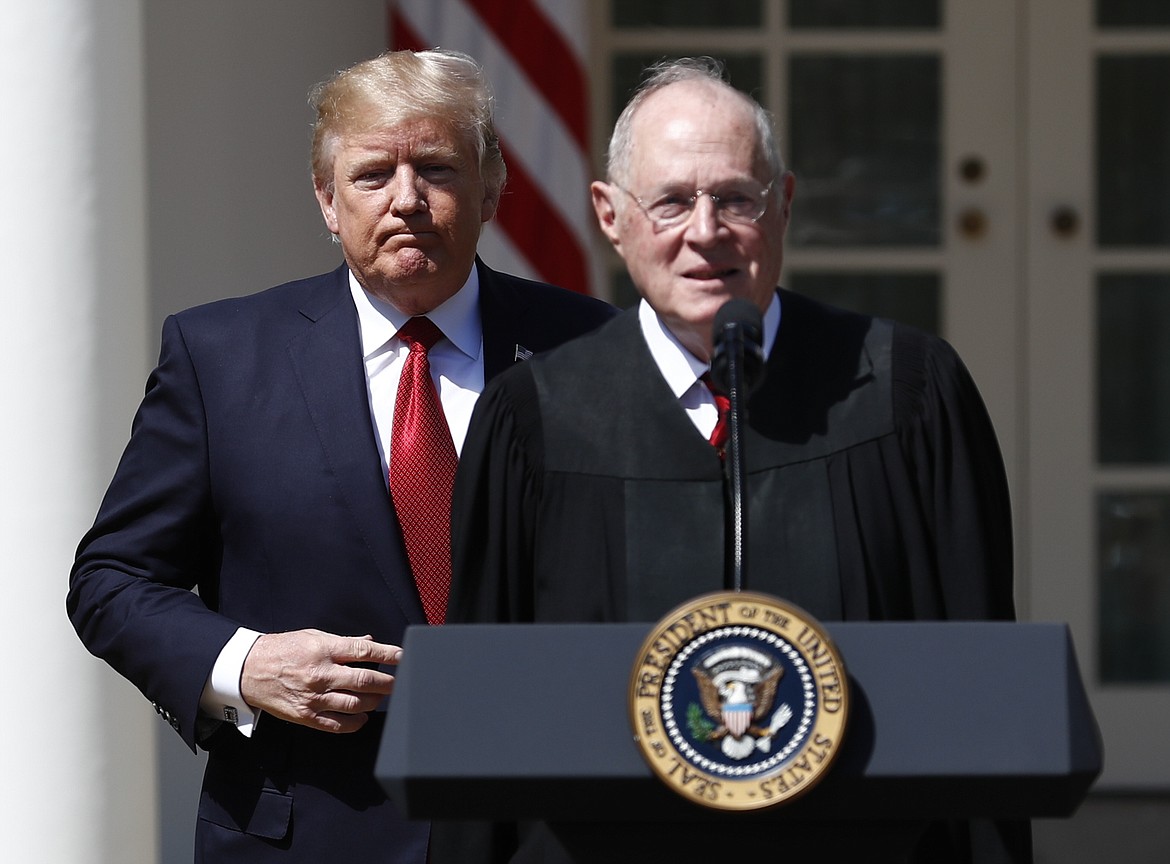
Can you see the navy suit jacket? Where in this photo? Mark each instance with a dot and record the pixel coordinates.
(251, 494)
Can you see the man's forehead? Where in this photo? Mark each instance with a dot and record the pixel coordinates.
(694, 96)
(685, 104)
(693, 155)
(423, 136)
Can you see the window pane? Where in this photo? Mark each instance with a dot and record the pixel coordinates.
(1133, 150)
(912, 298)
(864, 133)
(1133, 372)
(687, 13)
(1134, 587)
(1132, 13)
(864, 13)
(744, 71)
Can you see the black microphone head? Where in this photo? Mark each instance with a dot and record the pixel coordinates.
(738, 322)
(742, 312)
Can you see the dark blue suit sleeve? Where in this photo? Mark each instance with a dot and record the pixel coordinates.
(155, 539)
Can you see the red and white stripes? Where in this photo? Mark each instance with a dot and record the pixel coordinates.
(534, 54)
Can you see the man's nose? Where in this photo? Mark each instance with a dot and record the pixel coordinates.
(407, 194)
(704, 224)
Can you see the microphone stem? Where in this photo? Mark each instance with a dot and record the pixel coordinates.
(735, 465)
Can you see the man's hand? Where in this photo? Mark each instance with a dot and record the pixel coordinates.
(304, 677)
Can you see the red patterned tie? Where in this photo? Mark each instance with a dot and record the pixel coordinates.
(720, 432)
(422, 469)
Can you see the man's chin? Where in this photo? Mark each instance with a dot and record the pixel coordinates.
(707, 298)
(414, 290)
(408, 262)
(710, 295)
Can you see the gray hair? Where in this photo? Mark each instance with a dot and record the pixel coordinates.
(399, 86)
(663, 74)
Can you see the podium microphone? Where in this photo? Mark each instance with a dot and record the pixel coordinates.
(737, 366)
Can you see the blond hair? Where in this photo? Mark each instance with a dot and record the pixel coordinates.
(400, 86)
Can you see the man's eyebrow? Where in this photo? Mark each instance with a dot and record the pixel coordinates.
(376, 159)
(442, 153)
(370, 158)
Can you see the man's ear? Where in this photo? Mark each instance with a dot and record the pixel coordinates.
(490, 203)
(606, 210)
(787, 189)
(324, 193)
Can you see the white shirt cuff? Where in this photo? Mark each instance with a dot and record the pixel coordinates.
(221, 697)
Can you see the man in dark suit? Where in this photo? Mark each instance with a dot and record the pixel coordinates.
(247, 569)
(589, 489)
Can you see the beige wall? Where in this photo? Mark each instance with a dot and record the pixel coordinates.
(230, 202)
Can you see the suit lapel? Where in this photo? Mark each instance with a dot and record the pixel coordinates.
(329, 367)
(500, 311)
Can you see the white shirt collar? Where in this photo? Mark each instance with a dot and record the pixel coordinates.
(457, 317)
(680, 367)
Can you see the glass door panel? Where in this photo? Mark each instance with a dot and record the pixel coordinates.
(865, 137)
(686, 14)
(868, 170)
(906, 296)
(1132, 133)
(1133, 13)
(1133, 369)
(864, 13)
(1133, 596)
(1133, 149)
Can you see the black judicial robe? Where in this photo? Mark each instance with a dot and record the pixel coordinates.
(877, 492)
(876, 485)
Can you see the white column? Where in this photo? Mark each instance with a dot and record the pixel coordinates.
(77, 744)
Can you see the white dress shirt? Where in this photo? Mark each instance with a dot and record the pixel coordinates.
(457, 369)
(683, 370)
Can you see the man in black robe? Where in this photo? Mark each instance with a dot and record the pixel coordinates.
(589, 490)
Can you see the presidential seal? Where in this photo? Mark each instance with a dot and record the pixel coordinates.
(738, 701)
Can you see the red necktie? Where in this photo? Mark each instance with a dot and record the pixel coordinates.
(720, 432)
(422, 469)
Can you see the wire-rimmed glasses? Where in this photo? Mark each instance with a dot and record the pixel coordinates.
(741, 202)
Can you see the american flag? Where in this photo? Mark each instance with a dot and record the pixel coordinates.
(534, 52)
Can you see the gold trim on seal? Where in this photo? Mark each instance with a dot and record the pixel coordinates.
(749, 631)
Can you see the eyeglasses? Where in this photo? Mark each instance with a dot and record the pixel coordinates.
(741, 203)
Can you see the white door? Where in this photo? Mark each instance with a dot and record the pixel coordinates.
(1097, 276)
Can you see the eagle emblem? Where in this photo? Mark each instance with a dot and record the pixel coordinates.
(738, 700)
(737, 686)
